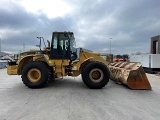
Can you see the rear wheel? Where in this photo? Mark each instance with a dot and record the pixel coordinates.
(35, 75)
(95, 75)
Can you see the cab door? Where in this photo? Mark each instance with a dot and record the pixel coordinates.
(60, 46)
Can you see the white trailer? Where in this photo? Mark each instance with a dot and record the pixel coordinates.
(150, 62)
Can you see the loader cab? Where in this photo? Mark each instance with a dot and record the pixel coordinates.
(63, 46)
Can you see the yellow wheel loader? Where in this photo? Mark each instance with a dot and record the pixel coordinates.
(60, 58)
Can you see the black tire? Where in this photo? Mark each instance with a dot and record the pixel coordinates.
(52, 76)
(36, 75)
(95, 75)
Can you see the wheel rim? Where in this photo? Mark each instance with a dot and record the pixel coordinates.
(96, 75)
(34, 75)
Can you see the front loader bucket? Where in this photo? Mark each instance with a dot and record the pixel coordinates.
(130, 74)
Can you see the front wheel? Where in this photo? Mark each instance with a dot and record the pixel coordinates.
(95, 75)
(35, 75)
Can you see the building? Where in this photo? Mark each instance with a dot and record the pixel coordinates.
(7, 57)
(2, 54)
(155, 45)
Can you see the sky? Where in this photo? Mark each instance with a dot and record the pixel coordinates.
(116, 26)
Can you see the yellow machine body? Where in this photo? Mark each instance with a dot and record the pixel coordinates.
(58, 66)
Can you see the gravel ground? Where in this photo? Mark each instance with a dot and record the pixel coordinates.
(70, 99)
